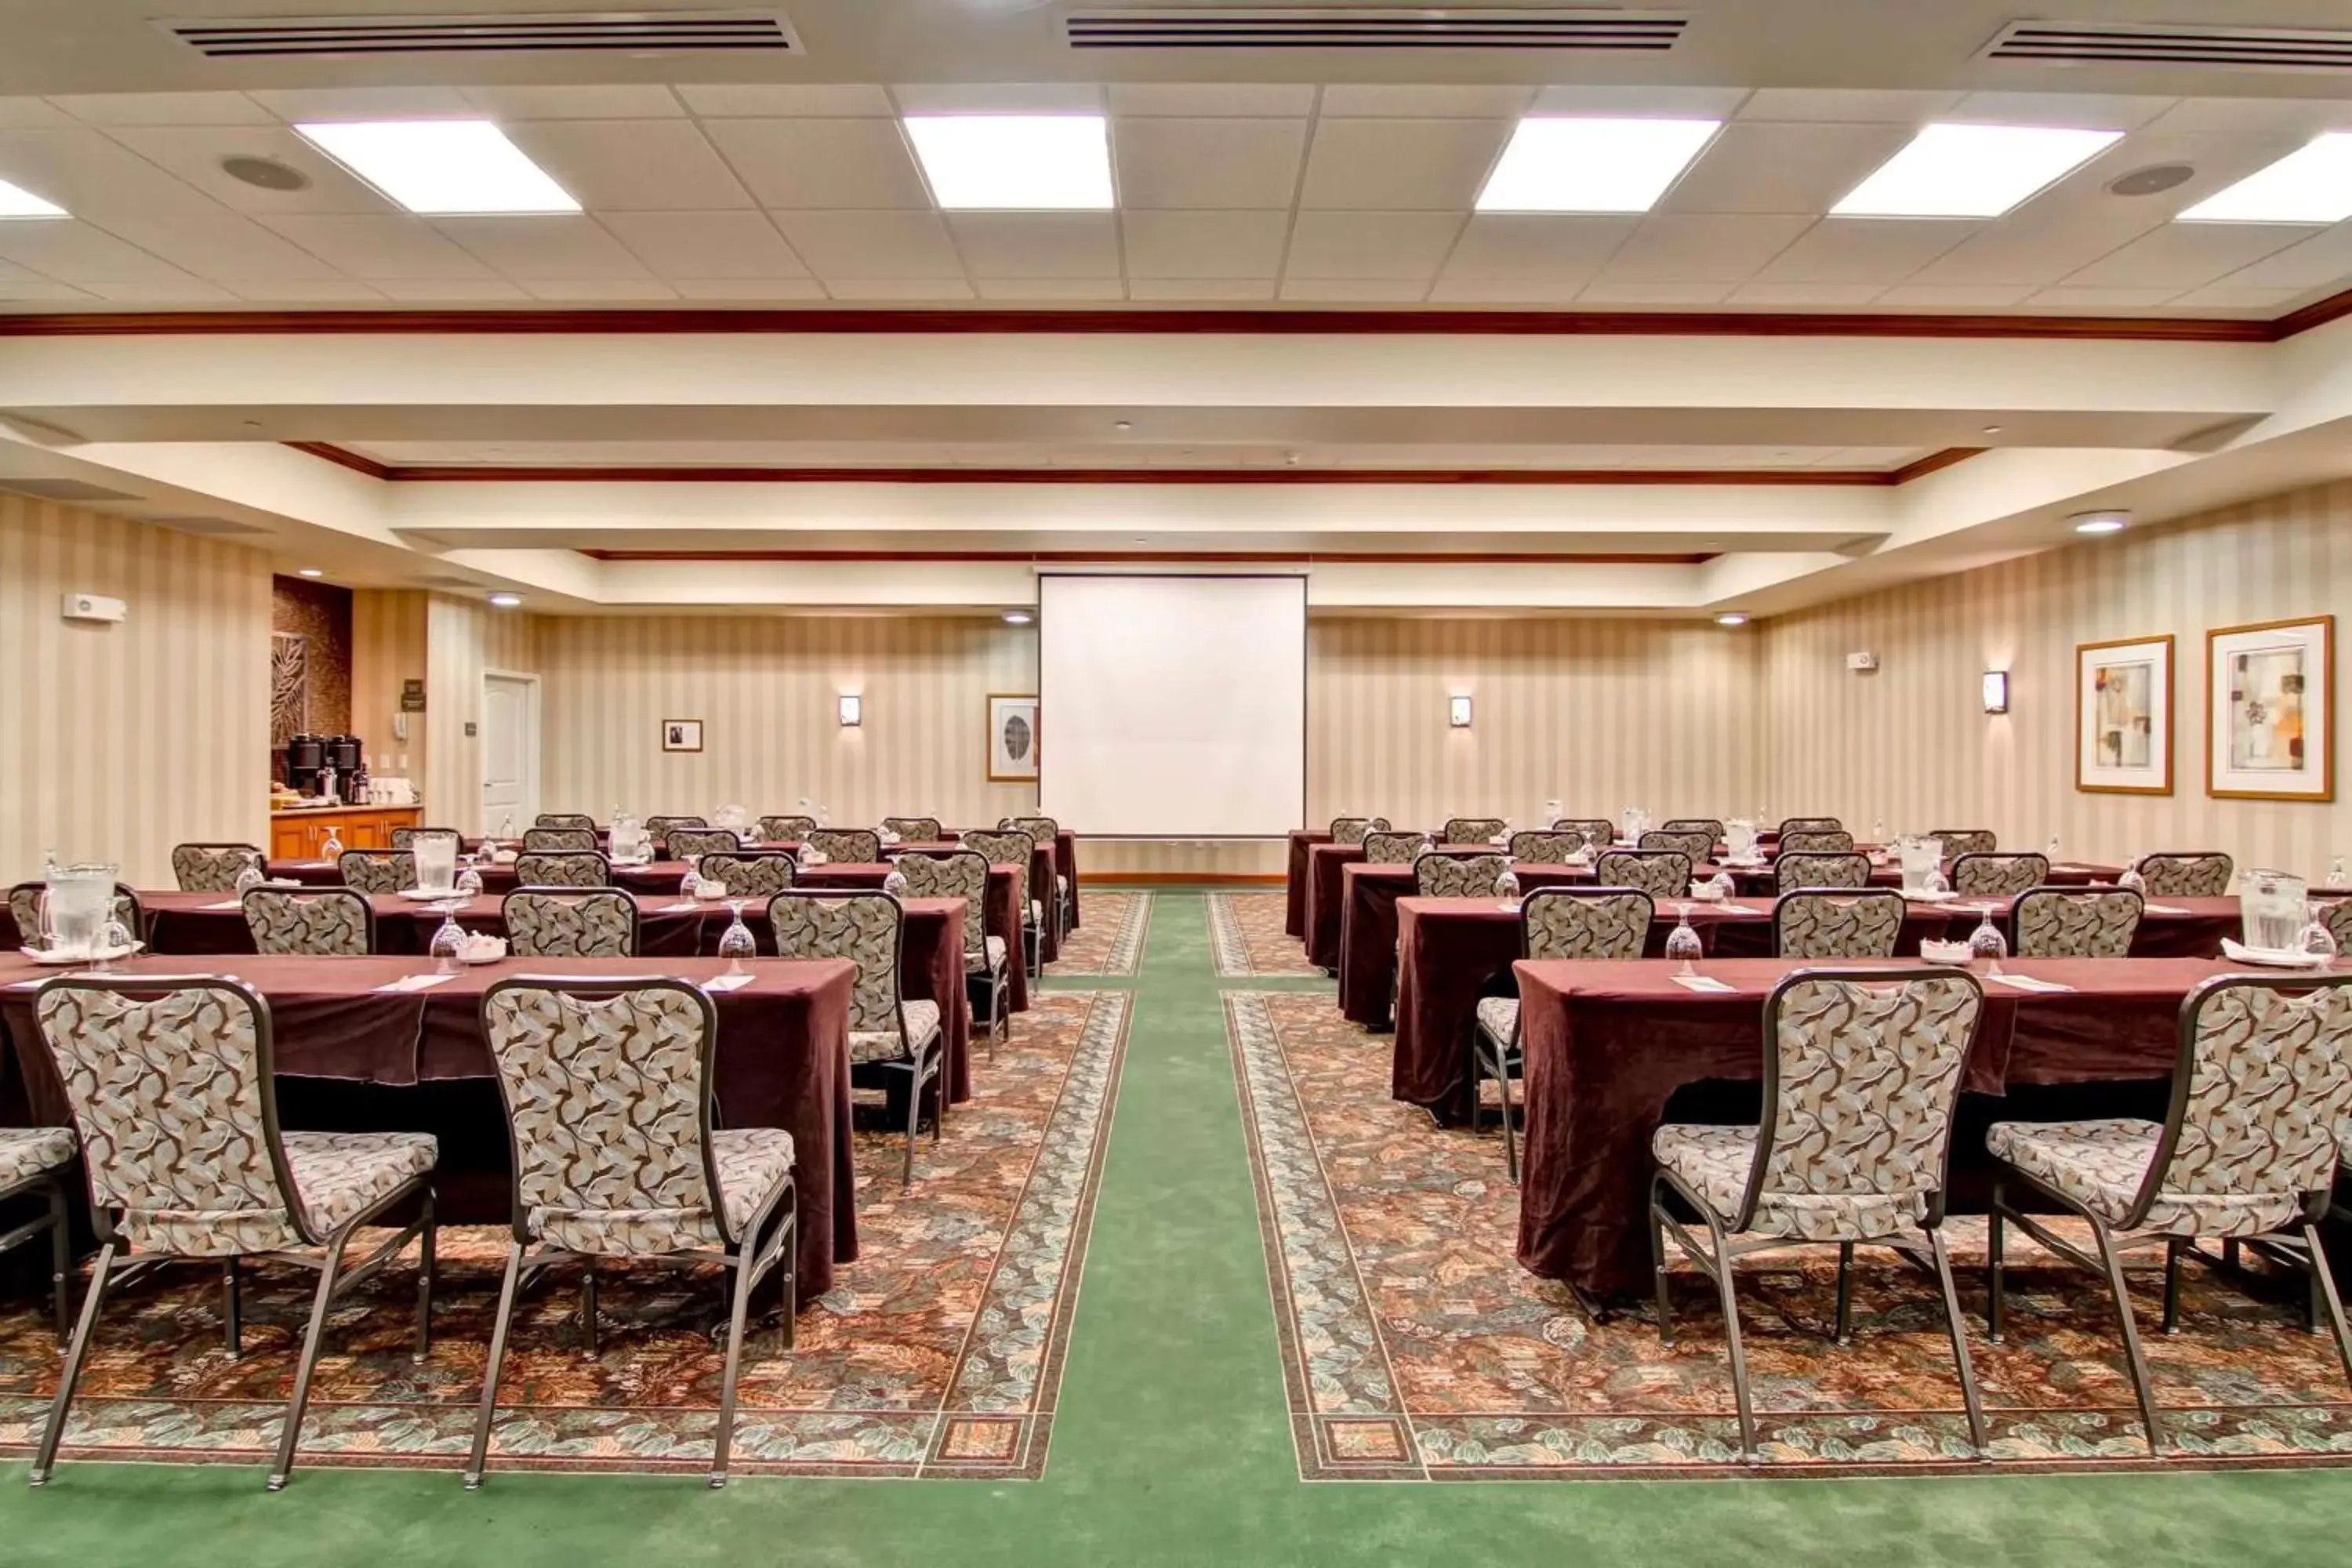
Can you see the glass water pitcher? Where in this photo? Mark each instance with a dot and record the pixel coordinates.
(1922, 860)
(1740, 839)
(76, 902)
(2271, 908)
(436, 861)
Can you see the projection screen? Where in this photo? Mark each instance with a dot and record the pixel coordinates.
(1172, 707)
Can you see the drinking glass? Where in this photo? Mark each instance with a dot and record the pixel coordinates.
(735, 943)
(2317, 940)
(331, 846)
(895, 884)
(1987, 942)
(1683, 944)
(1507, 887)
(248, 878)
(689, 884)
(449, 945)
(469, 880)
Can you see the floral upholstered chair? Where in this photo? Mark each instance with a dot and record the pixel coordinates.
(2204, 874)
(2059, 922)
(1866, 923)
(372, 872)
(1047, 835)
(564, 819)
(2336, 914)
(1661, 873)
(902, 1040)
(1599, 831)
(170, 1080)
(313, 923)
(213, 867)
(852, 846)
(1959, 841)
(1436, 876)
(25, 908)
(608, 1093)
(657, 828)
(563, 868)
(748, 875)
(1392, 848)
(1793, 872)
(1710, 826)
(1542, 849)
(1862, 1070)
(1817, 841)
(1472, 830)
(1011, 846)
(915, 829)
(691, 844)
(786, 829)
(406, 838)
(558, 840)
(556, 922)
(1811, 825)
(33, 1164)
(964, 875)
(1352, 830)
(1982, 874)
(1699, 847)
(1554, 922)
(2262, 1092)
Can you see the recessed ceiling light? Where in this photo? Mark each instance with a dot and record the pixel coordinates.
(2311, 184)
(1015, 162)
(310, 572)
(1731, 618)
(442, 166)
(17, 201)
(506, 601)
(264, 174)
(1579, 165)
(2151, 181)
(1971, 170)
(2101, 521)
(1122, 424)
(1019, 617)
(1992, 429)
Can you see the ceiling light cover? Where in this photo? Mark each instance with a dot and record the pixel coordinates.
(506, 601)
(1573, 165)
(17, 201)
(2101, 521)
(442, 167)
(2311, 184)
(1015, 162)
(1731, 618)
(1971, 170)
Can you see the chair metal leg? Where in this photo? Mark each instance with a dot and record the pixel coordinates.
(476, 1461)
(1960, 1358)
(2132, 1353)
(726, 1434)
(1731, 1339)
(2325, 1283)
(588, 1310)
(232, 1308)
(60, 1260)
(1994, 1282)
(914, 1111)
(1510, 1136)
(1844, 1332)
(46, 1460)
(2172, 1249)
(1658, 1269)
(425, 1267)
(291, 1434)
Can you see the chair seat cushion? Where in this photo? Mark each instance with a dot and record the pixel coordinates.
(2100, 1164)
(1715, 1163)
(1036, 912)
(26, 1151)
(1498, 1015)
(922, 1021)
(751, 1162)
(340, 1175)
(989, 959)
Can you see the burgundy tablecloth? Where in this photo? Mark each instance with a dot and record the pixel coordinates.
(653, 876)
(1368, 930)
(1327, 901)
(783, 1060)
(1006, 900)
(1294, 879)
(1607, 1044)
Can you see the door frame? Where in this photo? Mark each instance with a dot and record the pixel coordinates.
(531, 752)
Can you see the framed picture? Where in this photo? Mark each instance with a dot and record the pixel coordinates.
(2123, 716)
(681, 735)
(1011, 738)
(2270, 701)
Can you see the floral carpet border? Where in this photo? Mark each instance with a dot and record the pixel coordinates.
(1229, 944)
(1124, 954)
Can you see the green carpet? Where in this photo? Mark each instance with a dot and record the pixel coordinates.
(1172, 1445)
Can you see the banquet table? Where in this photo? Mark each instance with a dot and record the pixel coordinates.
(1006, 900)
(1294, 879)
(1450, 952)
(1326, 902)
(651, 876)
(930, 955)
(1607, 1044)
(1367, 929)
(782, 1061)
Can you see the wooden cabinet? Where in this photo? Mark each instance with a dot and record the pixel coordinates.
(297, 834)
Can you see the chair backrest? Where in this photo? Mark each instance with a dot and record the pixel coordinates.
(861, 926)
(1546, 848)
(786, 829)
(1811, 825)
(315, 922)
(1862, 1070)
(1959, 841)
(570, 922)
(659, 827)
(607, 1091)
(693, 843)
(558, 840)
(212, 868)
(1585, 923)
(915, 829)
(406, 838)
(1814, 924)
(171, 1081)
(2192, 874)
(2259, 1096)
(1392, 848)
(1471, 830)
(963, 874)
(566, 868)
(1661, 873)
(1042, 830)
(1981, 874)
(1002, 846)
(25, 908)
(1817, 841)
(374, 871)
(2064, 922)
(1352, 830)
(856, 846)
(1699, 848)
(1790, 872)
(1436, 876)
(748, 876)
(1710, 826)
(563, 819)
(1597, 831)
(2336, 914)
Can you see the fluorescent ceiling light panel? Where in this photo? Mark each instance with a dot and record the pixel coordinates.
(442, 166)
(1015, 162)
(2313, 185)
(17, 201)
(1971, 170)
(1565, 164)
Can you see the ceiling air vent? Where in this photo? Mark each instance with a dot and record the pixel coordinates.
(1382, 27)
(2126, 44)
(608, 32)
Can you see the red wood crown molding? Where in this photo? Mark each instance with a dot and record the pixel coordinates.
(1164, 557)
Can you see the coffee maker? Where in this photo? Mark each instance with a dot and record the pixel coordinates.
(320, 764)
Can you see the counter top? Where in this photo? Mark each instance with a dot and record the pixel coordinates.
(324, 810)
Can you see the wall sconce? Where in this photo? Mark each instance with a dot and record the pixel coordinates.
(1996, 692)
(1457, 712)
(853, 710)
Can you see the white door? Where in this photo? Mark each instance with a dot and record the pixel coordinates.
(510, 754)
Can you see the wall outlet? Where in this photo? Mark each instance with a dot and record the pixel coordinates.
(94, 608)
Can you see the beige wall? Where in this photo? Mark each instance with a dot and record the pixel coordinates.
(388, 647)
(463, 639)
(1911, 742)
(118, 741)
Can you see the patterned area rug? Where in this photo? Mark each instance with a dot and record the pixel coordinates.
(1111, 941)
(1414, 1347)
(938, 1353)
(1245, 937)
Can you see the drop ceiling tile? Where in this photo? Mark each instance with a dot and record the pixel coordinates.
(2075, 298)
(69, 251)
(899, 289)
(2042, 241)
(1421, 165)
(305, 291)
(380, 249)
(778, 100)
(1221, 289)
(1861, 250)
(1557, 249)
(1612, 291)
(771, 289)
(822, 164)
(998, 98)
(1806, 296)
(39, 289)
(591, 289)
(33, 114)
(1648, 103)
(871, 245)
(302, 104)
(1693, 247)
(1770, 167)
(2180, 256)
(1451, 290)
(117, 109)
(164, 292)
(1953, 296)
(2232, 296)
(1051, 288)
(1849, 105)
(1222, 162)
(706, 245)
(1361, 290)
(606, 101)
(211, 241)
(2294, 120)
(545, 248)
(2312, 262)
(1370, 245)
(632, 165)
(449, 290)
(1379, 100)
(1205, 244)
(2084, 110)
(1188, 100)
(195, 154)
(1037, 245)
(103, 181)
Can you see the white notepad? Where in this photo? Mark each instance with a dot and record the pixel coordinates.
(2027, 982)
(1700, 982)
(727, 981)
(416, 982)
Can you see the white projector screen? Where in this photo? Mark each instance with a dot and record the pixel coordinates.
(1172, 707)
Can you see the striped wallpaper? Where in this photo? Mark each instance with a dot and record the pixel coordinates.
(118, 741)
(465, 637)
(387, 648)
